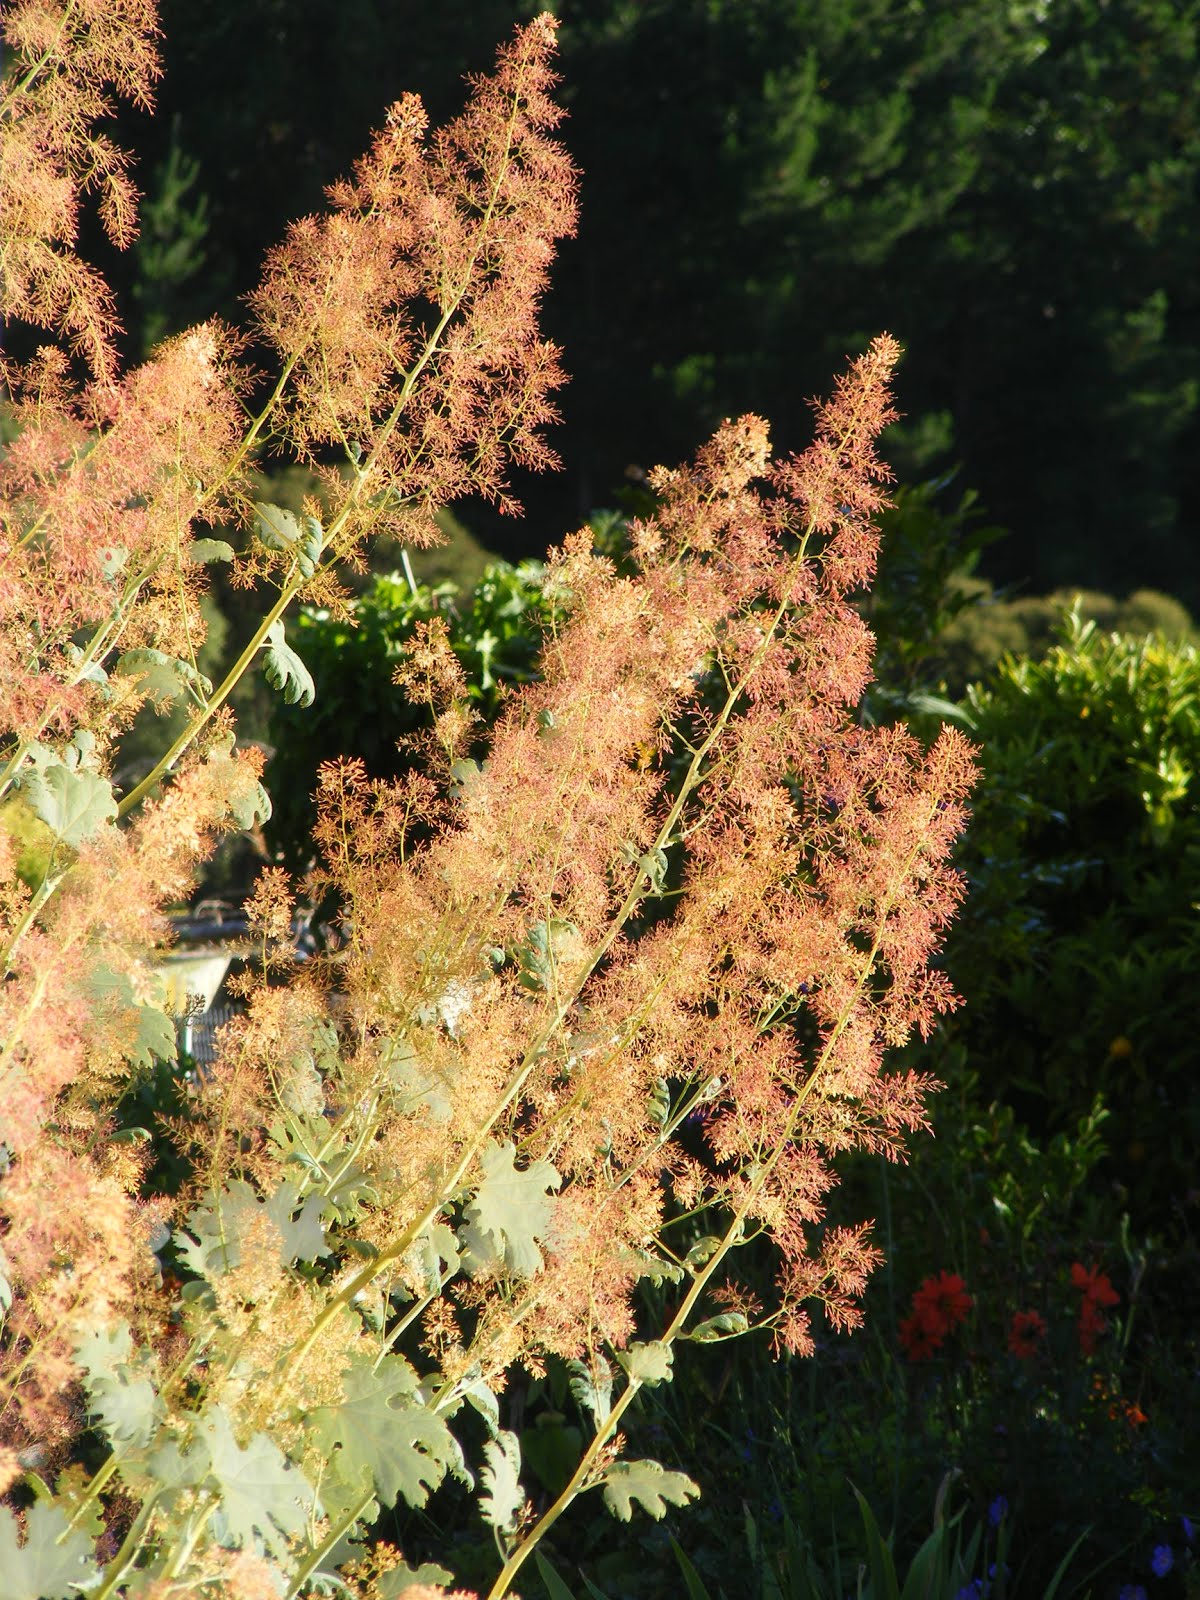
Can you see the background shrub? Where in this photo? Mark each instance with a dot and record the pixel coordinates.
(495, 629)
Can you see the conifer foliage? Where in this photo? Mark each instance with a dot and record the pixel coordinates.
(606, 1004)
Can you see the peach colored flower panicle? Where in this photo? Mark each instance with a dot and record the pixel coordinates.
(407, 317)
(64, 65)
(811, 882)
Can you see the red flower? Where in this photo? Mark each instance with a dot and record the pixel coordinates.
(1095, 1286)
(1026, 1333)
(919, 1340)
(1092, 1323)
(941, 1303)
(1097, 1291)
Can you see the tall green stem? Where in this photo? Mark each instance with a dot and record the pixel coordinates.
(219, 696)
(129, 1548)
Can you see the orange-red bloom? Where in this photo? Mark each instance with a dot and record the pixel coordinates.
(1094, 1285)
(1092, 1323)
(1025, 1334)
(1097, 1290)
(938, 1307)
(918, 1340)
(942, 1303)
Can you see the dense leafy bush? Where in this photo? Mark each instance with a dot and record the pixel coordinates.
(1080, 946)
(987, 626)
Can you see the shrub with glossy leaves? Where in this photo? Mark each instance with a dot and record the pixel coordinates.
(1080, 943)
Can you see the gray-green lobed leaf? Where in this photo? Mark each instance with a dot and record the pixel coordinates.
(277, 526)
(265, 1500)
(299, 1223)
(220, 1227)
(154, 1038)
(43, 1568)
(201, 551)
(647, 1484)
(648, 1363)
(401, 1578)
(284, 669)
(502, 1496)
(120, 1387)
(728, 1325)
(163, 677)
(382, 1435)
(253, 804)
(434, 1254)
(510, 1213)
(73, 802)
(592, 1385)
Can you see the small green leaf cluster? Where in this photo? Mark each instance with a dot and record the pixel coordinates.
(346, 702)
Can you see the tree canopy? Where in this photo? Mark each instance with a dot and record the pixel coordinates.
(1011, 188)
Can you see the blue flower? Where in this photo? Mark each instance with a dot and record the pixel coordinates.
(997, 1511)
(1132, 1591)
(1162, 1560)
(971, 1591)
(1189, 1528)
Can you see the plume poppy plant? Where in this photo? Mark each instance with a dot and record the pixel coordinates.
(676, 875)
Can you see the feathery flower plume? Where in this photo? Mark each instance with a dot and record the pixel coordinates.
(406, 318)
(63, 63)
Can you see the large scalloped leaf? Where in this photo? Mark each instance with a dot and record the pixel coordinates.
(163, 677)
(153, 1037)
(382, 1434)
(220, 1226)
(277, 526)
(302, 1233)
(73, 802)
(511, 1211)
(42, 1568)
(397, 1580)
(648, 1484)
(201, 551)
(122, 1394)
(264, 1498)
(648, 1363)
(726, 1325)
(248, 802)
(502, 1496)
(592, 1386)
